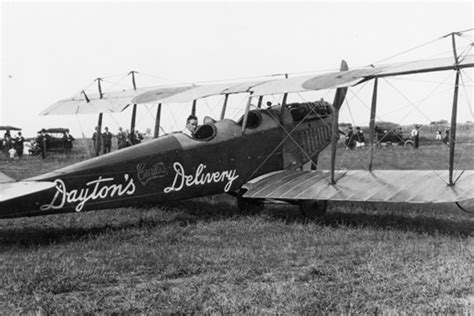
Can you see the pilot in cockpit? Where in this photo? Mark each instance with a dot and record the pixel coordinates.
(191, 125)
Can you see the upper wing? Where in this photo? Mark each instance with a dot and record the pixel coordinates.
(119, 100)
(411, 186)
(309, 82)
(113, 101)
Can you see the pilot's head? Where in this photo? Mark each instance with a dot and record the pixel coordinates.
(191, 123)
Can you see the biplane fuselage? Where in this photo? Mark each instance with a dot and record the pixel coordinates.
(255, 159)
(222, 158)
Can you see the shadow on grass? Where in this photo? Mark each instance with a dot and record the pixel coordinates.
(26, 232)
(191, 212)
(419, 224)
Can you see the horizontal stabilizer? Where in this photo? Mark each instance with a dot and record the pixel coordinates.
(398, 186)
(12, 190)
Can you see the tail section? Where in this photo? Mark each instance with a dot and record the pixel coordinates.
(19, 198)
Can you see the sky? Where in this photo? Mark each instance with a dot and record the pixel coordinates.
(53, 50)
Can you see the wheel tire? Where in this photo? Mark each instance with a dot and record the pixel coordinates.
(409, 143)
(313, 209)
(249, 206)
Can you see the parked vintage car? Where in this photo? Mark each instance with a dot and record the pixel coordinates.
(392, 135)
(54, 141)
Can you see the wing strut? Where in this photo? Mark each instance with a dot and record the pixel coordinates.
(452, 136)
(260, 99)
(372, 122)
(224, 106)
(246, 115)
(134, 110)
(283, 105)
(157, 121)
(193, 109)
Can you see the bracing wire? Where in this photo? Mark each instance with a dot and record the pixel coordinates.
(409, 50)
(466, 92)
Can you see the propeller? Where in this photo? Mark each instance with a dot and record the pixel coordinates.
(338, 100)
(340, 92)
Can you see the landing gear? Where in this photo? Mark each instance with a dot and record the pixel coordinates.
(249, 206)
(467, 207)
(313, 209)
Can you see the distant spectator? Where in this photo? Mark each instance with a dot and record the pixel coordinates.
(11, 153)
(107, 140)
(6, 144)
(128, 138)
(415, 134)
(43, 142)
(19, 144)
(138, 138)
(68, 139)
(446, 137)
(438, 134)
(121, 139)
(96, 139)
(359, 138)
(350, 138)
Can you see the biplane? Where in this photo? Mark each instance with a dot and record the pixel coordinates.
(258, 158)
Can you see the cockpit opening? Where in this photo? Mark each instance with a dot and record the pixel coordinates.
(254, 119)
(205, 132)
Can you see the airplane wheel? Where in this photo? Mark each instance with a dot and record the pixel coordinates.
(467, 207)
(249, 206)
(313, 208)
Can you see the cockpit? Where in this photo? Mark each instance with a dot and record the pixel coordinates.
(306, 111)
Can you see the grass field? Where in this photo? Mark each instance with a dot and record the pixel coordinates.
(202, 256)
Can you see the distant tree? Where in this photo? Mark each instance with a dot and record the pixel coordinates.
(440, 122)
(344, 125)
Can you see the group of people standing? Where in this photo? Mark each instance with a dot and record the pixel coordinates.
(445, 139)
(124, 139)
(354, 139)
(13, 146)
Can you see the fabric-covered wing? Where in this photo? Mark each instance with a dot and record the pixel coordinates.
(5, 178)
(197, 92)
(119, 100)
(411, 186)
(298, 84)
(157, 94)
(421, 66)
(404, 68)
(12, 190)
(113, 101)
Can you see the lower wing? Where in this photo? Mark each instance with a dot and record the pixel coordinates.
(407, 186)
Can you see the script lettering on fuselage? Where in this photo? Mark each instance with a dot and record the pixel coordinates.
(98, 189)
(146, 174)
(181, 179)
